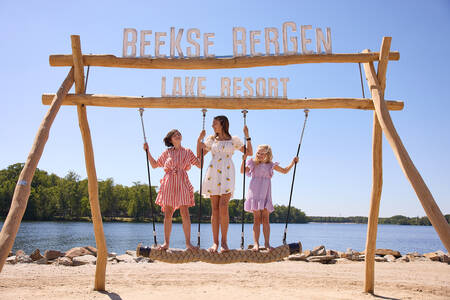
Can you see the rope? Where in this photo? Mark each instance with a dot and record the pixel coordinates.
(360, 76)
(141, 113)
(232, 256)
(293, 177)
(204, 110)
(244, 114)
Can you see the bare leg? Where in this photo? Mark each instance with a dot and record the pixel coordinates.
(215, 220)
(184, 211)
(224, 220)
(266, 229)
(256, 228)
(168, 213)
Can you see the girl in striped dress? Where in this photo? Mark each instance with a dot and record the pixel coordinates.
(175, 191)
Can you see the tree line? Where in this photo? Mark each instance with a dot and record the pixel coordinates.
(55, 198)
(66, 198)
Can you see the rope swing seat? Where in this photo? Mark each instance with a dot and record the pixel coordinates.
(175, 256)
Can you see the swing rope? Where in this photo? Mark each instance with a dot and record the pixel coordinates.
(244, 114)
(293, 177)
(204, 110)
(360, 76)
(141, 113)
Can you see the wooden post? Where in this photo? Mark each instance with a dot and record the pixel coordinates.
(377, 176)
(23, 187)
(433, 212)
(102, 252)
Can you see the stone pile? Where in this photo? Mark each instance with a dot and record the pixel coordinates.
(322, 255)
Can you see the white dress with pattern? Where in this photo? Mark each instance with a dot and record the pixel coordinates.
(220, 172)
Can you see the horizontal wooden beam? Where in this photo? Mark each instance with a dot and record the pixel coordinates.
(107, 60)
(218, 103)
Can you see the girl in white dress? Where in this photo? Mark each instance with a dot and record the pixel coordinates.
(218, 184)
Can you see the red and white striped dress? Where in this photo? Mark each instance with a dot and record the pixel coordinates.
(176, 189)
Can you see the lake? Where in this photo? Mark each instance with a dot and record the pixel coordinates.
(124, 236)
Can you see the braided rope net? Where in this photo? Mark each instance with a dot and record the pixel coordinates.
(175, 256)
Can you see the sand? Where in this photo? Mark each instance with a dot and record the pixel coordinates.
(278, 280)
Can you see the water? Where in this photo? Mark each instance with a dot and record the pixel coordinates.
(124, 236)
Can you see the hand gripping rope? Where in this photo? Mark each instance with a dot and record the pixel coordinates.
(141, 112)
(293, 177)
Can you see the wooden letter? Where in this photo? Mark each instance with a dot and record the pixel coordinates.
(241, 42)
(253, 41)
(225, 83)
(189, 86)
(320, 38)
(273, 86)
(176, 87)
(144, 42)
(207, 43)
(293, 39)
(247, 82)
(284, 81)
(127, 43)
(260, 91)
(273, 40)
(305, 41)
(163, 87)
(158, 43)
(236, 87)
(193, 42)
(175, 43)
(200, 87)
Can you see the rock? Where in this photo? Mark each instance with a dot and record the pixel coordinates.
(10, 254)
(42, 261)
(84, 260)
(23, 259)
(297, 257)
(131, 252)
(380, 259)
(36, 255)
(11, 260)
(351, 255)
(20, 253)
(414, 254)
(389, 258)
(332, 252)
(64, 261)
(80, 251)
(125, 258)
(307, 253)
(403, 258)
(384, 252)
(321, 258)
(52, 254)
(319, 249)
(142, 259)
(434, 256)
(112, 254)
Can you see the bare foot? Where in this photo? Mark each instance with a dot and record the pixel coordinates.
(224, 247)
(164, 246)
(190, 247)
(213, 248)
(268, 247)
(255, 247)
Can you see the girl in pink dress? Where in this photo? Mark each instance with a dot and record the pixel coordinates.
(175, 191)
(259, 197)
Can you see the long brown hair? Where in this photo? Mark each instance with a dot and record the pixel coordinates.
(225, 125)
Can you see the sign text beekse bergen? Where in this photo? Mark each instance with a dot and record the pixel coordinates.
(244, 43)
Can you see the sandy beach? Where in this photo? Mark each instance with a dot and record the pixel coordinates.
(278, 280)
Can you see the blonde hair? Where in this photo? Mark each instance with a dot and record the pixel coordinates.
(266, 149)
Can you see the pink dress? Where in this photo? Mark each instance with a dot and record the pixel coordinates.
(259, 195)
(176, 189)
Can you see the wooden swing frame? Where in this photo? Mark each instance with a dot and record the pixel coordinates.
(382, 122)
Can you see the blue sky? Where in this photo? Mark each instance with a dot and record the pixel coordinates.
(334, 175)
